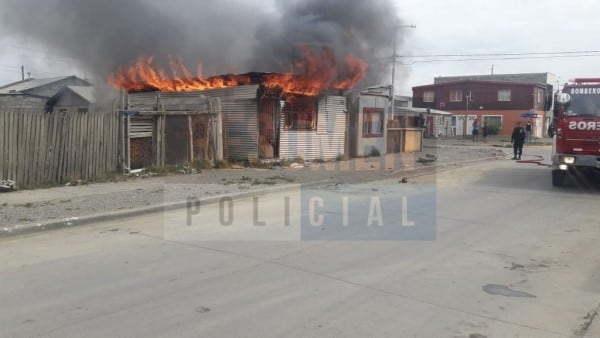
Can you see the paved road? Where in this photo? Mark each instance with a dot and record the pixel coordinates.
(509, 257)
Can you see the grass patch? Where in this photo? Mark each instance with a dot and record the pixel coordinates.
(341, 157)
(202, 164)
(222, 164)
(374, 152)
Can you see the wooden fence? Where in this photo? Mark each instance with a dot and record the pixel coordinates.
(38, 148)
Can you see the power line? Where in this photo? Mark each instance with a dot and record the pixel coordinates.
(503, 54)
(500, 58)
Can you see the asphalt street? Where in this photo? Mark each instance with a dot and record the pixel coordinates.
(489, 249)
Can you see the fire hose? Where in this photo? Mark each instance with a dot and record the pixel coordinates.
(537, 160)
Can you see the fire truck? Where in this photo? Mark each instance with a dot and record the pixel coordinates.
(575, 130)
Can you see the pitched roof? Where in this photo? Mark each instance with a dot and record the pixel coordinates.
(25, 85)
(86, 92)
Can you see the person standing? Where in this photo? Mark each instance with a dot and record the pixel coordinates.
(485, 131)
(518, 139)
(475, 130)
(528, 132)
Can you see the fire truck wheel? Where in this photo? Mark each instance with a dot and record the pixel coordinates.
(558, 178)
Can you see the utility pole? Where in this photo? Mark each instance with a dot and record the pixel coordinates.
(23, 73)
(467, 98)
(394, 56)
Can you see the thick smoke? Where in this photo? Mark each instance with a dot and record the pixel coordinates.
(362, 28)
(226, 36)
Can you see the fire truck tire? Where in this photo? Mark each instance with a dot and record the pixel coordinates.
(558, 178)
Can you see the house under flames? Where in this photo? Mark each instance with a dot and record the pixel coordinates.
(257, 124)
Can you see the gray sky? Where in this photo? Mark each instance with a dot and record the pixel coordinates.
(464, 27)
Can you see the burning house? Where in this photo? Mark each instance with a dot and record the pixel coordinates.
(307, 56)
(264, 115)
(256, 124)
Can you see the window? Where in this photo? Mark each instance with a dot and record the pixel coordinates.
(372, 122)
(301, 114)
(494, 123)
(428, 96)
(456, 95)
(539, 96)
(504, 95)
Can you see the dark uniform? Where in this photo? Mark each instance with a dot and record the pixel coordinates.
(518, 139)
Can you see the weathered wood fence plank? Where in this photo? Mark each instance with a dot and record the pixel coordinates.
(38, 148)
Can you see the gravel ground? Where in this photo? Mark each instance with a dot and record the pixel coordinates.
(60, 203)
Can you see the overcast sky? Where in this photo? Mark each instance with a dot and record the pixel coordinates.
(464, 27)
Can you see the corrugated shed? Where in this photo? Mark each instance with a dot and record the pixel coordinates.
(327, 142)
(240, 114)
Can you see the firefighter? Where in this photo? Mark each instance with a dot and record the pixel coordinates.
(518, 139)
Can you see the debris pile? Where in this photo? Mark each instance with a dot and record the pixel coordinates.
(7, 185)
(429, 158)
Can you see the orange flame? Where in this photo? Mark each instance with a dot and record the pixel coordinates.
(142, 76)
(314, 73)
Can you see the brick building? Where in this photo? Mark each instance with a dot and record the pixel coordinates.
(500, 100)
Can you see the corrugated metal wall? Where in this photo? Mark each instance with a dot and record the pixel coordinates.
(240, 120)
(327, 142)
(240, 114)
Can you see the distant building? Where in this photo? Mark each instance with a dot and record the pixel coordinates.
(500, 100)
(67, 93)
(374, 128)
(73, 99)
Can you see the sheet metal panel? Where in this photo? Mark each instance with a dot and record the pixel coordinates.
(327, 142)
(249, 92)
(241, 129)
(240, 113)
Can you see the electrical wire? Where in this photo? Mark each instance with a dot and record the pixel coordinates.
(524, 57)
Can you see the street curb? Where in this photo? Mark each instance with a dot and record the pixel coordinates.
(112, 215)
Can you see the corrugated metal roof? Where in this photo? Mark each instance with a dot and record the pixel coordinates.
(149, 101)
(86, 92)
(25, 85)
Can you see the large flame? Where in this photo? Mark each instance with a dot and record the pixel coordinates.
(316, 71)
(142, 76)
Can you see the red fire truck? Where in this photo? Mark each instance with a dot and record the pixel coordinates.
(576, 130)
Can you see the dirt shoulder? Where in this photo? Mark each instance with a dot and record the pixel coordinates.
(42, 206)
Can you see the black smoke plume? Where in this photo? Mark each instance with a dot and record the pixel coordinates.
(225, 36)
